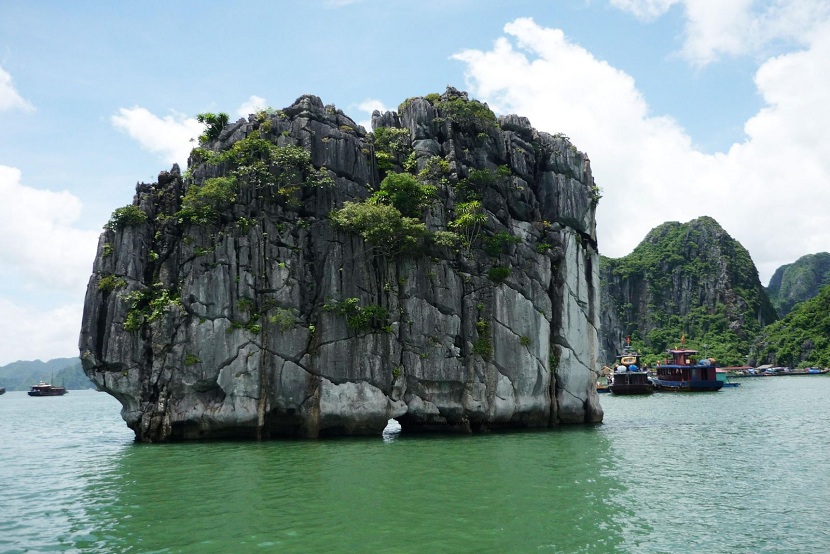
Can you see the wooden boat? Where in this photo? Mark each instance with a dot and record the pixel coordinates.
(628, 376)
(723, 376)
(45, 389)
(684, 372)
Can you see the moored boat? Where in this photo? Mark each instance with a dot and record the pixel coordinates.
(46, 389)
(684, 372)
(723, 376)
(629, 376)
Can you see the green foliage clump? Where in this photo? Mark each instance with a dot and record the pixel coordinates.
(469, 217)
(191, 359)
(383, 227)
(498, 274)
(284, 318)
(433, 98)
(392, 140)
(499, 242)
(483, 346)
(125, 217)
(148, 305)
(406, 193)
(109, 283)
(470, 115)
(214, 123)
(435, 170)
(360, 318)
(448, 239)
(106, 249)
(253, 161)
(203, 205)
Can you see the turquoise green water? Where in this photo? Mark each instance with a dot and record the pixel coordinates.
(740, 470)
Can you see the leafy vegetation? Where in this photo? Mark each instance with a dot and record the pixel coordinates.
(403, 191)
(214, 123)
(203, 205)
(470, 115)
(148, 305)
(383, 227)
(498, 274)
(252, 161)
(109, 283)
(469, 217)
(360, 318)
(801, 338)
(125, 217)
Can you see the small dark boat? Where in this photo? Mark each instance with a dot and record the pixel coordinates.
(629, 376)
(45, 389)
(2, 390)
(683, 372)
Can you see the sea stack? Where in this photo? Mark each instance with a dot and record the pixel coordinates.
(305, 278)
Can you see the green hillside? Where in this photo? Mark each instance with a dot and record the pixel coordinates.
(798, 281)
(687, 282)
(801, 338)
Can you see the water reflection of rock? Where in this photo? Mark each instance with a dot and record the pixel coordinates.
(499, 492)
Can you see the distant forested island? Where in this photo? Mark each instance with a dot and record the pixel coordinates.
(692, 284)
(21, 375)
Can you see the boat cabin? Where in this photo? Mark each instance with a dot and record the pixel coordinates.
(685, 366)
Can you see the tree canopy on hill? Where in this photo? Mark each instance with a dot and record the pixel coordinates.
(801, 338)
(798, 281)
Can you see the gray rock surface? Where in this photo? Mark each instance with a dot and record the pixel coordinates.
(228, 328)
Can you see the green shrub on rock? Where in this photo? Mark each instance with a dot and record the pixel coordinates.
(126, 217)
(383, 227)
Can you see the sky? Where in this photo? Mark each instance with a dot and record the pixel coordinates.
(685, 107)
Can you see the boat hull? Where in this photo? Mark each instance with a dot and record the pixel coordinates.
(688, 386)
(632, 389)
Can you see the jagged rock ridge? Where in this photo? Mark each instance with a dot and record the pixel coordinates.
(687, 281)
(233, 302)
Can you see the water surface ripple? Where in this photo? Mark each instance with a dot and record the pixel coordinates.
(735, 471)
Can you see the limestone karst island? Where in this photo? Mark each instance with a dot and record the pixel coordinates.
(305, 278)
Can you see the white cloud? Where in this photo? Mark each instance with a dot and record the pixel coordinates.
(370, 105)
(39, 236)
(645, 9)
(9, 97)
(27, 334)
(715, 28)
(169, 137)
(252, 105)
(769, 192)
(41, 245)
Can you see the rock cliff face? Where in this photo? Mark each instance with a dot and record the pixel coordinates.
(687, 280)
(306, 278)
(798, 281)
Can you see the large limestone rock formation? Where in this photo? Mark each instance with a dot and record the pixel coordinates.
(229, 302)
